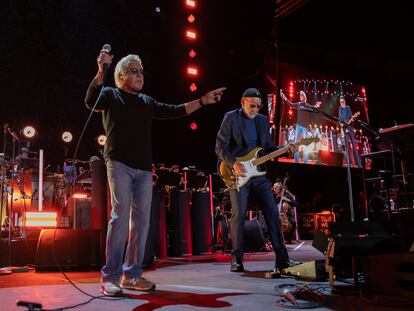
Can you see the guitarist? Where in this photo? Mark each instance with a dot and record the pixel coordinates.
(345, 115)
(241, 131)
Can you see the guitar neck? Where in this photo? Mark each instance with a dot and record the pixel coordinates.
(270, 156)
(282, 150)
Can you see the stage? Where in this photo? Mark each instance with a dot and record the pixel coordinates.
(183, 283)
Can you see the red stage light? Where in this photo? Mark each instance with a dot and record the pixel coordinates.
(191, 18)
(190, 3)
(193, 87)
(192, 53)
(193, 126)
(191, 34)
(192, 71)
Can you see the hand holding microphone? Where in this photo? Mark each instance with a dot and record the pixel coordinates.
(104, 60)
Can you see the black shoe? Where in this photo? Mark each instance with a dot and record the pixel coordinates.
(236, 265)
(280, 265)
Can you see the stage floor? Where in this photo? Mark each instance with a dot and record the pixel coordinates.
(183, 283)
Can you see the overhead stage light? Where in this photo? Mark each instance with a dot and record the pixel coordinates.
(67, 137)
(29, 131)
(101, 140)
(190, 3)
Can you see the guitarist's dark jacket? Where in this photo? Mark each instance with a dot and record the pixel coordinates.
(231, 139)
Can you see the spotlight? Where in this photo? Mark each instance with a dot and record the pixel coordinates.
(193, 87)
(67, 137)
(192, 53)
(192, 71)
(29, 131)
(191, 34)
(191, 18)
(193, 126)
(101, 140)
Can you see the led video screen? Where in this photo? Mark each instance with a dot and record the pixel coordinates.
(310, 108)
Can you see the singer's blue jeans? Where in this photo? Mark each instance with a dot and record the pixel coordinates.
(301, 132)
(131, 195)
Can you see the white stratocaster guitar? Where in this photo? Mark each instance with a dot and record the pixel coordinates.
(251, 162)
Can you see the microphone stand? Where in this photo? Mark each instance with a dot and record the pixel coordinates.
(344, 126)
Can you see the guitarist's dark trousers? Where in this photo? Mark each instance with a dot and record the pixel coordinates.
(262, 189)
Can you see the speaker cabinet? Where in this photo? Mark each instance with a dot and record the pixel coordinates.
(254, 240)
(201, 223)
(391, 274)
(180, 224)
(80, 212)
(330, 158)
(156, 245)
(71, 249)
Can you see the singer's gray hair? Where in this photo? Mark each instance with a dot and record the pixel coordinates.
(302, 93)
(122, 66)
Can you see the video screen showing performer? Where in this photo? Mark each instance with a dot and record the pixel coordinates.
(302, 107)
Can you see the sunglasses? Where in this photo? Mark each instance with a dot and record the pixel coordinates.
(258, 106)
(135, 71)
(253, 105)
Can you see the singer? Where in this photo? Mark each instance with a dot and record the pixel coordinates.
(127, 114)
(303, 120)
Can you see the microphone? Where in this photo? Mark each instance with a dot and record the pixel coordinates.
(107, 48)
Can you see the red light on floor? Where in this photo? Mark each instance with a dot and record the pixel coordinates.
(191, 18)
(190, 3)
(193, 87)
(192, 71)
(193, 126)
(191, 34)
(40, 219)
(290, 112)
(192, 53)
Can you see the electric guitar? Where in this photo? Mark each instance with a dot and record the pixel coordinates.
(251, 162)
(354, 116)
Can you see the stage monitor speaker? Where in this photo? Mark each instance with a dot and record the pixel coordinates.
(201, 223)
(389, 274)
(80, 211)
(71, 249)
(330, 158)
(180, 234)
(254, 240)
(312, 270)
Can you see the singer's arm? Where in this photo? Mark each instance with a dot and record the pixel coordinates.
(209, 98)
(92, 95)
(287, 101)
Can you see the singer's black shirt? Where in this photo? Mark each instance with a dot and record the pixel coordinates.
(127, 121)
(304, 116)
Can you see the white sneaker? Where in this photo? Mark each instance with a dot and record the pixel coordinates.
(137, 283)
(111, 289)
